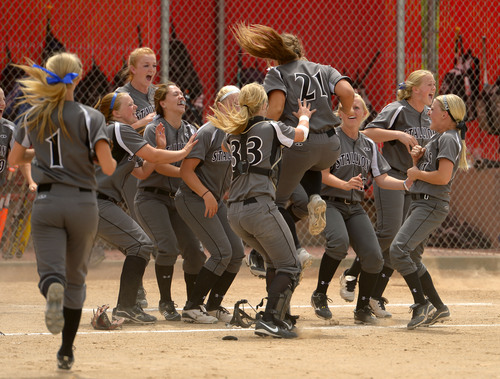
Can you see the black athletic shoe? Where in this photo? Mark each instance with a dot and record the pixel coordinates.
(268, 328)
(167, 309)
(319, 302)
(440, 315)
(64, 362)
(133, 314)
(365, 316)
(420, 314)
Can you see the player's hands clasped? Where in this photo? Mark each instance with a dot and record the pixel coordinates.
(416, 153)
(408, 140)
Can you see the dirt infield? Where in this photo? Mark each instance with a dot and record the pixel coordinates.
(466, 346)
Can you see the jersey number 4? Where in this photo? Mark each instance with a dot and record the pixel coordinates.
(254, 154)
(308, 93)
(55, 149)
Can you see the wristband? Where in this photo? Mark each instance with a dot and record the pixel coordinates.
(207, 191)
(304, 129)
(405, 186)
(303, 117)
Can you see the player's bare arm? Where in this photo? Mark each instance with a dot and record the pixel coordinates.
(277, 101)
(345, 93)
(440, 177)
(356, 182)
(20, 155)
(193, 181)
(104, 157)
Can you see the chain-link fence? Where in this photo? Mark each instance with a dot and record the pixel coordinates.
(377, 43)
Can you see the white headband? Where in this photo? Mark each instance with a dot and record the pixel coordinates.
(231, 92)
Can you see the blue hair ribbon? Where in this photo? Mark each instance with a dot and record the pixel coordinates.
(402, 85)
(53, 78)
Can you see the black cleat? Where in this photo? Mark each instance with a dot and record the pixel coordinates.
(268, 328)
(319, 302)
(420, 314)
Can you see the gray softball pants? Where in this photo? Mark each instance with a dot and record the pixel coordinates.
(223, 245)
(350, 224)
(424, 216)
(63, 226)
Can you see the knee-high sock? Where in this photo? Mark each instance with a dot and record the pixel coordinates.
(430, 290)
(366, 285)
(219, 290)
(382, 280)
(291, 225)
(326, 271)
(311, 181)
(132, 273)
(355, 268)
(270, 274)
(190, 280)
(164, 278)
(205, 280)
(415, 287)
(71, 322)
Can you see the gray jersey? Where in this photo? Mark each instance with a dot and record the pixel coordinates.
(359, 156)
(311, 81)
(176, 140)
(61, 159)
(145, 102)
(126, 142)
(6, 144)
(446, 145)
(214, 170)
(401, 116)
(264, 141)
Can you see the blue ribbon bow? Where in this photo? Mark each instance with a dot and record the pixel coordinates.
(402, 85)
(53, 78)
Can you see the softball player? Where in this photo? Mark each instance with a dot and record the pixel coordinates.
(115, 226)
(141, 70)
(346, 220)
(296, 78)
(64, 217)
(155, 205)
(7, 139)
(434, 168)
(255, 145)
(206, 173)
(400, 126)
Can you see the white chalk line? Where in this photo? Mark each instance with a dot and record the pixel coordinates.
(238, 330)
(231, 330)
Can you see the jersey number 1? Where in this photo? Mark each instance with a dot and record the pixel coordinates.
(55, 149)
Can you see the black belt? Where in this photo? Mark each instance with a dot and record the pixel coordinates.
(340, 200)
(106, 197)
(422, 196)
(250, 200)
(45, 187)
(329, 132)
(158, 191)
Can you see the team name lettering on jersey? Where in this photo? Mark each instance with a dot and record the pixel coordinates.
(354, 159)
(221, 156)
(144, 112)
(420, 133)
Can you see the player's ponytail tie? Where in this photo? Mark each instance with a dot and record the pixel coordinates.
(402, 86)
(463, 129)
(53, 78)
